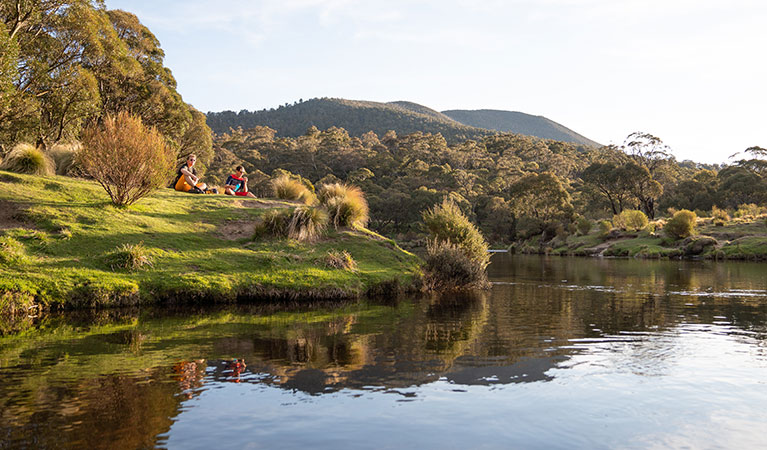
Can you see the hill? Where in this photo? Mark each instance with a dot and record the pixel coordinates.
(520, 123)
(58, 235)
(356, 117)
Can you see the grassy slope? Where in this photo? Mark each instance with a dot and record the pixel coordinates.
(67, 227)
(742, 239)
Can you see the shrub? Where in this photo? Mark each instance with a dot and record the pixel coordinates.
(719, 215)
(583, 225)
(452, 233)
(681, 225)
(11, 252)
(448, 266)
(128, 159)
(64, 158)
(346, 205)
(749, 210)
(26, 158)
(340, 260)
(287, 188)
(604, 227)
(630, 220)
(306, 223)
(129, 257)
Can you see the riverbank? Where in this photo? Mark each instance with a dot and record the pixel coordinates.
(60, 239)
(739, 239)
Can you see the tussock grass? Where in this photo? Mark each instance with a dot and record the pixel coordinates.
(304, 223)
(129, 257)
(64, 158)
(340, 260)
(27, 159)
(449, 267)
(346, 205)
(287, 188)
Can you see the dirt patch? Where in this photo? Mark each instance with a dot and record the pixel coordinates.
(254, 203)
(236, 229)
(600, 249)
(12, 215)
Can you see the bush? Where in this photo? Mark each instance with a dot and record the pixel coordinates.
(630, 220)
(340, 260)
(287, 188)
(583, 225)
(26, 158)
(346, 205)
(446, 224)
(128, 159)
(448, 267)
(11, 252)
(682, 225)
(604, 227)
(749, 210)
(129, 257)
(719, 215)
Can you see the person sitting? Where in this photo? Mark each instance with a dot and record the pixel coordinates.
(187, 179)
(237, 184)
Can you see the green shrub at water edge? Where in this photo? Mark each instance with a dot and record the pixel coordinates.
(129, 257)
(26, 158)
(346, 205)
(446, 223)
(583, 226)
(448, 266)
(682, 225)
(630, 220)
(604, 227)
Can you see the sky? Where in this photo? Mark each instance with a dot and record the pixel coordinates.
(691, 72)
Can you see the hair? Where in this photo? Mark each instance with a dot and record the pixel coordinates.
(191, 155)
(238, 168)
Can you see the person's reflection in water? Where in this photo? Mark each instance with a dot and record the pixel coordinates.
(234, 368)
(188, 375)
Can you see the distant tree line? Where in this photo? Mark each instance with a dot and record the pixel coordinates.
(512, 186)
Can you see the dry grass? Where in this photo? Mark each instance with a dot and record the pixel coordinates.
(288, 188)
(26, 158)
(346, 205)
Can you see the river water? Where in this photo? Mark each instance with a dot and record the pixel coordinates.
(561, 353)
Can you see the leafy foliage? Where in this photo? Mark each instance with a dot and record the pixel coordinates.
(126, 158)
(681, 225)
(630, 220)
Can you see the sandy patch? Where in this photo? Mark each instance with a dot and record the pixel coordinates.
(236, 229)
(12, 215)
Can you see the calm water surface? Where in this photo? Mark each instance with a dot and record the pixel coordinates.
(561, 353)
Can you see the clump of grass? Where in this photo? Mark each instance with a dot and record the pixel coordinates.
(346, 205)
(11, 252)
(340, 260)
(129, 257)
(604, 227)
(449, 267)
(749, 210)
(719, 215)
(26, 158)
(63, 157)
(287, 188)
(682, 225)
(630, 220)
(307, 223)
(304, 223)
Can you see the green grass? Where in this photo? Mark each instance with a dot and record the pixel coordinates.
(201, 248)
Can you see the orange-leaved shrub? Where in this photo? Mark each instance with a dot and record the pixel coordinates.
(128, 159)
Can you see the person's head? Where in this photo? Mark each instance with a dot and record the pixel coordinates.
(240, 170)
(191, 159)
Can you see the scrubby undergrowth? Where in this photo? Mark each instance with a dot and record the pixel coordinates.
(73, 248)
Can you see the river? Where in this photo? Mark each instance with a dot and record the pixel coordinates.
(560, 353)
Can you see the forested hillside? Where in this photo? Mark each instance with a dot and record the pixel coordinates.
(356, 117)
(517, 122)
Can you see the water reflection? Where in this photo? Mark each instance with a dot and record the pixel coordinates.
(133, 375)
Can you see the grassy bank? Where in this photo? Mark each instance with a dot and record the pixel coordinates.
(59, 239)
(740, 239)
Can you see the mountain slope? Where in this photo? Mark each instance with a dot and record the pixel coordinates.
(356, 117)
(517, 122)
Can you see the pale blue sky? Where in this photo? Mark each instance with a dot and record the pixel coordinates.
(692, 72)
